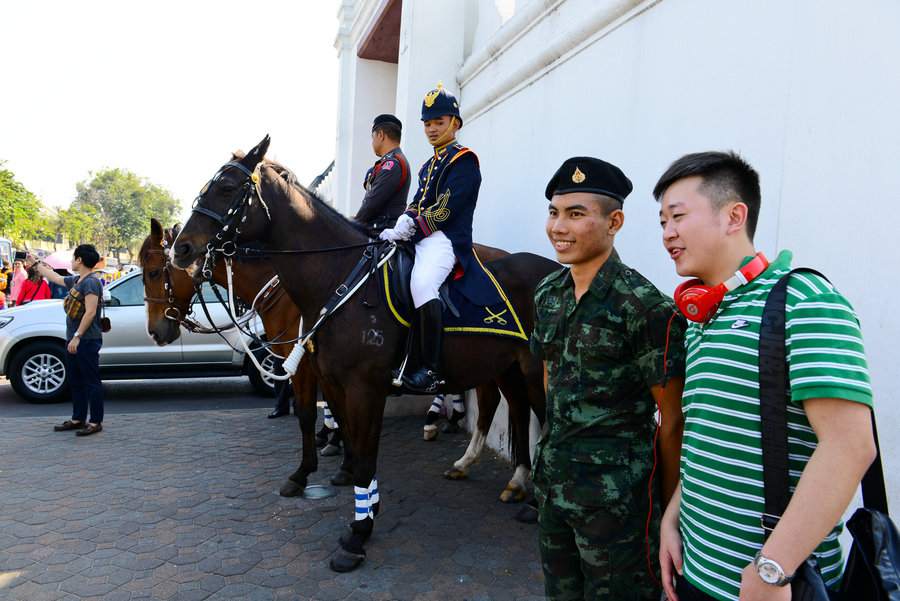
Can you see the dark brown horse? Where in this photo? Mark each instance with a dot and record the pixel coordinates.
(313, 248)
(168, 293)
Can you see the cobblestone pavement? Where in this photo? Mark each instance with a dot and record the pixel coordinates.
(185, 506)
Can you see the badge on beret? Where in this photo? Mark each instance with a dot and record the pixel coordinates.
(431, 96)
(578, 176)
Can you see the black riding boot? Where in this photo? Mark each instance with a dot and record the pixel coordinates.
(430, 330)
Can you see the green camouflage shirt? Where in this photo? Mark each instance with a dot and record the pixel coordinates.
(602, 354)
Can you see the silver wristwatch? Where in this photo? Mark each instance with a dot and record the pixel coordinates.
(770, 571)
(76, 334)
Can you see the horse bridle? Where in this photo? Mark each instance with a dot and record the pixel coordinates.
(174, 310)
(234, 218)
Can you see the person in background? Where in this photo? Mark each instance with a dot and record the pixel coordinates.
(85, 339)
(57, 290)
(33, 288)
(17, 276)
(5, 272)
(387, 182)
(613, 351)
(712, 539)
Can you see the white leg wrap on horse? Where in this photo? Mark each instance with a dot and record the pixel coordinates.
(363, 505)
(459, 403)
(521, 477)
(365, 498)
(373, 492)
(436, 404)
(329, 420)
(472, 451)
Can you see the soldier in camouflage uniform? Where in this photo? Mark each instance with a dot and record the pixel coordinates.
(613, 346)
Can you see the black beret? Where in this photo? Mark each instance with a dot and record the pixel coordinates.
(384, 119)
(587, 174)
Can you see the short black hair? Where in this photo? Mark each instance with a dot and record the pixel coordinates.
(726, 177)
(88, 255)
(391, 131)
(608, 204)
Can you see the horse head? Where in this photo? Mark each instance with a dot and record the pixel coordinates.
(228, 210)
(167, 291)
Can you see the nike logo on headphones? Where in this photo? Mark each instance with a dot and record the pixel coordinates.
(740, 323)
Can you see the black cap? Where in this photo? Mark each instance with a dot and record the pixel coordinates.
(386, 119)
(587, 174)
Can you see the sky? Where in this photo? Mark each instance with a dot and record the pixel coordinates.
(164, 89)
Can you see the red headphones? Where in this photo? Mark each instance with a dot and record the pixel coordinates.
(699, 302)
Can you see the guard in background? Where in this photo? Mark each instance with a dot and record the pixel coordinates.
(387, 182)
(439, 222)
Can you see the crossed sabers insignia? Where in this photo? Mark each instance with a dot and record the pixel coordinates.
(495, 317)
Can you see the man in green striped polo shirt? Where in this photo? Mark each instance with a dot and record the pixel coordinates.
(711, 531)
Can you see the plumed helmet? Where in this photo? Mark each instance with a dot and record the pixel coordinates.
(439, 102)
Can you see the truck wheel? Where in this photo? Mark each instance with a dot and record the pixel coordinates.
(38, 373)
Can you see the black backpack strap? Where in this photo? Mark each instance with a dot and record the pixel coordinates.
(873, 491)
(774, 392)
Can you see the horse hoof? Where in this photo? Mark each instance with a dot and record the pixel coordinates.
(429, 435)
(512, 494)
(455, 473)
(330, 451)
(342, 478)
(450, 428)
(291, 489)
(344, 561)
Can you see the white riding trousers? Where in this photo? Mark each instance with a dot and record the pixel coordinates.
(434, 261)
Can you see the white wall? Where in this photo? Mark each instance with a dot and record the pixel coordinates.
(805, 90)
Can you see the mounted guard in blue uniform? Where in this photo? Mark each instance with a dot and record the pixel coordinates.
(439, 222)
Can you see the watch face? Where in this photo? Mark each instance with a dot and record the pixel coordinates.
(768, 572)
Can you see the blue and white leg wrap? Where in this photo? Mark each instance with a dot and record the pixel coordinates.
(436, 404)
(328, 418)
(365, 498)
(459, 403)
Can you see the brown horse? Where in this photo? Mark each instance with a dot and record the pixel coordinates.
(168, 293)
(313, 248)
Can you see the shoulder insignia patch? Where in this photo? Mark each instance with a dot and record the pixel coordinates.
(387, 165)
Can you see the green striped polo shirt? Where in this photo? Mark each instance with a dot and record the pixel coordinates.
(721, 457)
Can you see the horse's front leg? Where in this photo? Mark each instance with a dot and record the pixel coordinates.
(363, 431)
(488, 400)
(515, 388)
(305, 395)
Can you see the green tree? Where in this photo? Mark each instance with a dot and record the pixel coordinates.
(77, 224)
(121, 205)
(20, 217)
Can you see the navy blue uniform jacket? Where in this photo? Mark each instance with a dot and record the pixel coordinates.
(445, 200)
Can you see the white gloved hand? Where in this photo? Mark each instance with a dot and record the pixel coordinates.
(405, 227)
(389, 236)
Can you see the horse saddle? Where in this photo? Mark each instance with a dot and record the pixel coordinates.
(461, 316)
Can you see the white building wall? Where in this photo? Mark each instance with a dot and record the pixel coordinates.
(805, 90)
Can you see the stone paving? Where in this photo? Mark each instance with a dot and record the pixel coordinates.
(186, 507)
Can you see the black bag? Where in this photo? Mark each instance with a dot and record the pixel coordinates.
(872, 571)
(872, 565)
